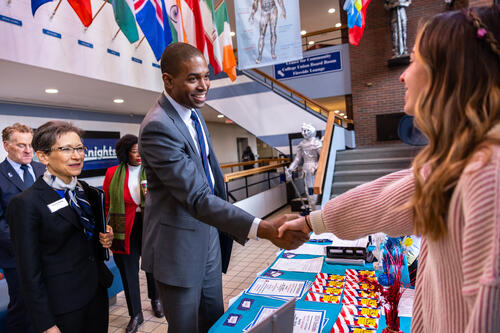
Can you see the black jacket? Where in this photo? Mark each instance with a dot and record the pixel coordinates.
(60, 270)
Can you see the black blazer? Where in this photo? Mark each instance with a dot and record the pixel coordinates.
(10, 185)
(58, 268)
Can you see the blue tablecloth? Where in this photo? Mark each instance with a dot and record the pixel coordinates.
(332, 310)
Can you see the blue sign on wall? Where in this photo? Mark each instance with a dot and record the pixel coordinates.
(314, 65)
(101, 152)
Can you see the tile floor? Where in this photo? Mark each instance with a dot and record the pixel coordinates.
(246, 262)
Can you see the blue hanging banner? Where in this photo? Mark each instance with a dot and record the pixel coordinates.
(113, 52)
(86, 44)
(51, 33)
(11, 20)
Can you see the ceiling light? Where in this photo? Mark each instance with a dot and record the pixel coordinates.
(336, 111)
(233, 34)
(338, 25)
(303, 32)
(331, 10)
(51, 91)
(345, 117)
(220, 116)
(311, 42)
(118, 101)
(342, 114)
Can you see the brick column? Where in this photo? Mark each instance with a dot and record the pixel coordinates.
(375, 86)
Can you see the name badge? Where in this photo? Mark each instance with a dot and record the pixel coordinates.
(56, 205)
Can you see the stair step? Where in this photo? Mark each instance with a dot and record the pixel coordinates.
(361, 175)
(396, 163)
(378, 152)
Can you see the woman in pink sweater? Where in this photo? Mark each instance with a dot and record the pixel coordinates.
(451, 194)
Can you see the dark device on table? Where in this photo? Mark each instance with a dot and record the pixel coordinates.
(280, 321)
(346, 255)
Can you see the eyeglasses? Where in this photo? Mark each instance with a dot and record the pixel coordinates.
(70, 150)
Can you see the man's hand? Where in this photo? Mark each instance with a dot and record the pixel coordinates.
(290, 240)
(107, 238)
(298, 224)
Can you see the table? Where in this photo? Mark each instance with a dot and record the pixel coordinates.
(332, 310)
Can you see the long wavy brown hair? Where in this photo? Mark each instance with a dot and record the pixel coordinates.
(456, 109)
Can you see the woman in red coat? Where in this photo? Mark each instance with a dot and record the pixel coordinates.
(124, 205)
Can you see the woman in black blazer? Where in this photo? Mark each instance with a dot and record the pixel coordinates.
(58, 238)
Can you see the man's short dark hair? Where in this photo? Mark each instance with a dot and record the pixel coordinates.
(46, 135)
(123, 147)
(175, 54)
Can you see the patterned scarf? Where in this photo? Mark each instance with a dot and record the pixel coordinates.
(116, 214)
(75, 195)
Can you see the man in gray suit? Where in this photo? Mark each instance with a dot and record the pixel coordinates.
(185, 244)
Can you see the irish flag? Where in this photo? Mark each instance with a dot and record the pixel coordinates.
(225, 41)
(125, 18)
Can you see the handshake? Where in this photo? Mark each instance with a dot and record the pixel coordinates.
(288, 231)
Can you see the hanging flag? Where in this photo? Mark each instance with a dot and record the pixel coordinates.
(83, 9)
(353, 9)
(124, 17)
(225, 41)
(356, 19)
(212, 50)
(152, 17)
(192, 24)
(174, 17)
(35, 4)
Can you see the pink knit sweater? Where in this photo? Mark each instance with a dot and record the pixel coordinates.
(458, 280)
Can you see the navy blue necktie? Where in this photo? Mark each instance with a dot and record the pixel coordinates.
(82, 208)
(203, 148)
(27, 177)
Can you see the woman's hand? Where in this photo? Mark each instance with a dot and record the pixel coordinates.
(53, 329)
(107, 238)
(296, 225)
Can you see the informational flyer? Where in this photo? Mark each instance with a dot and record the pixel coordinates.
(306, 321)
(307, 248)
(299, 265)
(277, 287)
(268, 32)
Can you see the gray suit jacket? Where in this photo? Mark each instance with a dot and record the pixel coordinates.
(179, 206)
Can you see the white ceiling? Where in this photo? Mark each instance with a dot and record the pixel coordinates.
(21, 83)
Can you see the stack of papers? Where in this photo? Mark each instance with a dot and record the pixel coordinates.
(307, 248)
(299, 265)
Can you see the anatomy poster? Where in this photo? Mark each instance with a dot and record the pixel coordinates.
(268, 32)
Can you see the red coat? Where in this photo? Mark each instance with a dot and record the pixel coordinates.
(130, 206)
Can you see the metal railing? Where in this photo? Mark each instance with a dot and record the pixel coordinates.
(246, 174)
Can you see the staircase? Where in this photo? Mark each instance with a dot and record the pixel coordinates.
(358, 166)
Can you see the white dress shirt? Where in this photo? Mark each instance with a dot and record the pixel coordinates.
(134, 185)
(185, 114)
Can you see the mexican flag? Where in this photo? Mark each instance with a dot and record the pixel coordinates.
(125, 18)
(218, 37)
